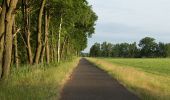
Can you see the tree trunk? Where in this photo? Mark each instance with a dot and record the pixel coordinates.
(27, 30)
(51, 53)
(2, 20)
(11, 5)
(2, 29)
(45, 49)
(59, 40)
(63, 46)
(51, 47)
(39, 44)
(0, 10)
(16, 61)
(67, 48)
(42, 54)
(47, 22)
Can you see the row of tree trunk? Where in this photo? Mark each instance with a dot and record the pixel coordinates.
(9, 31)
(6, 26)
(27, 28)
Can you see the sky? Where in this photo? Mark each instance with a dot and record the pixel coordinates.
(130, 20)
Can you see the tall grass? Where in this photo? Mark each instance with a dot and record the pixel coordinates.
(146, 84)
(41, 82)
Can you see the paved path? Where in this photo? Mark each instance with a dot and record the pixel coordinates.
(90, 83)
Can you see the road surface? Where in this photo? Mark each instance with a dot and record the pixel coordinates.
(90, 83)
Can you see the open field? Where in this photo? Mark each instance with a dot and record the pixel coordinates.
(155, 66)
(37, 83)
(148, 78)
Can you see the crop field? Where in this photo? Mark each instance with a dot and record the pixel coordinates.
(148, 78)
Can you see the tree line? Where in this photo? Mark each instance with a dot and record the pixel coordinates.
(42, 31)
(147, 48)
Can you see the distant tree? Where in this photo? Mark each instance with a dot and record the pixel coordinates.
(168, 50)
(95, 50)
(127, 50)
(119, 50)
(84, 54)
(148, 47)
(133, 50)
(161, 50)
(106, 49)
(109, 49)
(124, 50)
(103, 49)
(116, 50)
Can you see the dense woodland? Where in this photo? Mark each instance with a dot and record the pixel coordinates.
(42, 31)
(147, 48)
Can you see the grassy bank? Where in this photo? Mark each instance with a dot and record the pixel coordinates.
(37, 83)
(148, 78)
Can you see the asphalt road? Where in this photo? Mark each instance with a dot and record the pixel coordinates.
(90, 83)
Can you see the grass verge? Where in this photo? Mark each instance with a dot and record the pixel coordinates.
(43, 82)
(147, 86)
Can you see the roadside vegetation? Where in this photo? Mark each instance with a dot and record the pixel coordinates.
(148, 78)
(37, 83)
(38, 41)
(42, 31)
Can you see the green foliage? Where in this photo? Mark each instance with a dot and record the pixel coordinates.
(148, 48)
(105, 49)
(117, 50)
(95, 50)
(79, 21)
(161, 50)
(168, 50)
(78, 24)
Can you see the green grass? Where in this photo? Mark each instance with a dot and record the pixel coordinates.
(147, 78)
(43, 82)
(156, 66)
